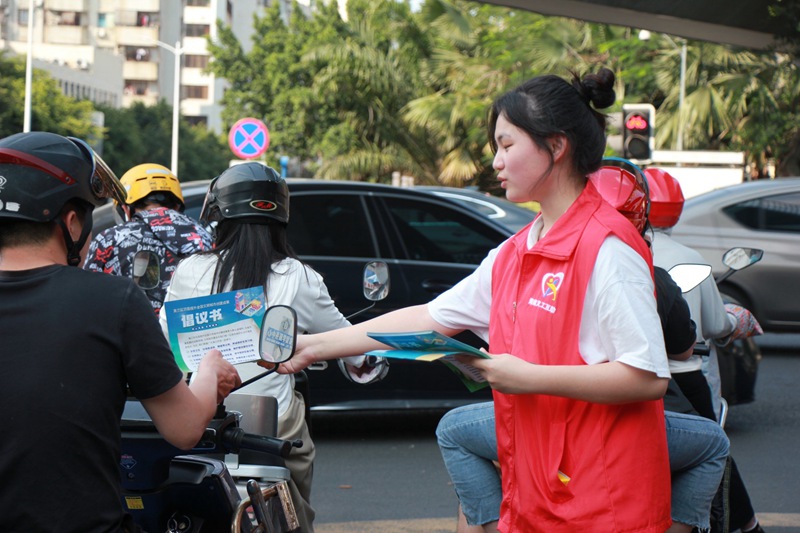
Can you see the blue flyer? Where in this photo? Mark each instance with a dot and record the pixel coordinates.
(229, 322)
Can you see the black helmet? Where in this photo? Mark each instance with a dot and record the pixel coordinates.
(40, 172)
(248, 192)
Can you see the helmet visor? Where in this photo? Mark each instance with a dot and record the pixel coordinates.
(205, 211)
(103, 182)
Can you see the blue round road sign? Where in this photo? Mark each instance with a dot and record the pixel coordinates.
(248, 138)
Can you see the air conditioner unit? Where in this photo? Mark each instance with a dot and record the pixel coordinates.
(102, 33)
(82, 64)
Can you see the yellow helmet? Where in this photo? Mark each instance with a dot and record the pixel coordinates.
(143, 180)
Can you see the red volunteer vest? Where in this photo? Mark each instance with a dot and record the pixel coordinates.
(570, 465)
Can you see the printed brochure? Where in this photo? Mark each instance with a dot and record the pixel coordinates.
(229, 322)
(432, 346)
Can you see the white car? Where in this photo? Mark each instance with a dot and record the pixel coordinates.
(761, 214)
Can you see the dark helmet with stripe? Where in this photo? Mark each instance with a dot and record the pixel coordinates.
(41, 171)
(247, 192)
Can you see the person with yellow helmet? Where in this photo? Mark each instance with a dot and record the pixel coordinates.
(155, 223)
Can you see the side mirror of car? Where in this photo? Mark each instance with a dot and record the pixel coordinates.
(146, 271)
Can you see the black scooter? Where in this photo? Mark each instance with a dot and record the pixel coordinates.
(168, 489)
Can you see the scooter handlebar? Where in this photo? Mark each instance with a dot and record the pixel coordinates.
(235, 439)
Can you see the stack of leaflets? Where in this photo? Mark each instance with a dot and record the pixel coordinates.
(433, 346)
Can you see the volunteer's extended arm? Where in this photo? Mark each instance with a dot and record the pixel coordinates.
(353, 340)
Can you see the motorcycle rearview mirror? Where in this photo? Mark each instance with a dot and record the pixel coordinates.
(277, 341)
(738, 259)
(278, 334)
(375, 282)
(146, 271)
(689, 275)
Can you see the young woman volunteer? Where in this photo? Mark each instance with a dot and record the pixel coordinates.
(250, 205)
(578, 364)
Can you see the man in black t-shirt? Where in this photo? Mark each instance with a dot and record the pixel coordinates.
(72, 343)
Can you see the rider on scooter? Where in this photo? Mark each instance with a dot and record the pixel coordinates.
(74, 344)
(714, 323)
(249, 203)
(154, 222)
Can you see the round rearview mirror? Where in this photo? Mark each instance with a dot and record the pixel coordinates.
(376, 281)
(278, 334)
(739, 258)
(688, 276)
(146, 271)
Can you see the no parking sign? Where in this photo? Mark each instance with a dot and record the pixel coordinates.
(248, 138)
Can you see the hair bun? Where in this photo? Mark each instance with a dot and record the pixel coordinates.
(598, 88)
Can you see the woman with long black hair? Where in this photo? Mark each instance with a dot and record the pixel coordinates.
(249, 203)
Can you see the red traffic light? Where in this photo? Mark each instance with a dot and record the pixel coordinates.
(636, 122)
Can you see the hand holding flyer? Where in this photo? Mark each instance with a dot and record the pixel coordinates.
(433, 346)
(227, 321)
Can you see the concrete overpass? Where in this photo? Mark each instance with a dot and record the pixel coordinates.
(745, 23)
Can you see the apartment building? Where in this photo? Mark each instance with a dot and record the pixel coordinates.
(118, 52)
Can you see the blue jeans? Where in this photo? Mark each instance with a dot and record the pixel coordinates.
(468, 443)
(697, 446)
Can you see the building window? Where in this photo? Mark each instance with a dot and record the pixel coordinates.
(22, 17)
(197, 30)
(137, 53)
(147, 19)
(137, 87)
(66, 18)
(199, 120)
(202, 3)
(195, 61)
(194, 91)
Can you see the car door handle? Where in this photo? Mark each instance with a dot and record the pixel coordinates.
(436, 285)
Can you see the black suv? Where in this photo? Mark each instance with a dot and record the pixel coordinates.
(430, 242)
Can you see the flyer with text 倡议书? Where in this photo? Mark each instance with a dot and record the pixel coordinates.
(228, 321)
(432, 346)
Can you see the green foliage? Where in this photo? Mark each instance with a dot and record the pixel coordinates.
(390, 90)
(50, 109)
(143, 134)
(785, 16)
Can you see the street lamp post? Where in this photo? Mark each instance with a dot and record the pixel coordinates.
(176, 100)
(644, 35)
(26, 114)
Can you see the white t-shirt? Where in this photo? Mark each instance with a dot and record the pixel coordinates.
(619, 321)
(705, 304)
(293, 284)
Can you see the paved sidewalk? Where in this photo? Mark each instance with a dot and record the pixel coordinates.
(419, 525)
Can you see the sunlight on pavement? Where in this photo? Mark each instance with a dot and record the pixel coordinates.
(419, 525)
(448, 525)
(779, 519)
